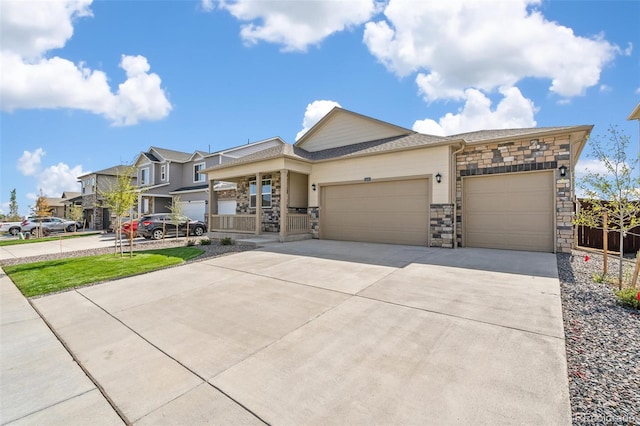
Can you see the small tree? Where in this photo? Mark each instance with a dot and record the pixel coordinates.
(177, 214)
(76, 213)
(13, 207)
(41, 208)
(615, 191)
(120, 197)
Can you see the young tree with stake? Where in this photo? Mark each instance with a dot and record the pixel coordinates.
(613, 194)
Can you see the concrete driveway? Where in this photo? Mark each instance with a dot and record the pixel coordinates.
(323, 332)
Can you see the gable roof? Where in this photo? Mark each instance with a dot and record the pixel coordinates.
(635, 114)
(110, 171)
(341, 127)
(70, 194)
(169, 154)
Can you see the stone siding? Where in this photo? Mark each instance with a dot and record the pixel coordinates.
(441, 225)
(314, 221)
(548, 153)
(270, 215)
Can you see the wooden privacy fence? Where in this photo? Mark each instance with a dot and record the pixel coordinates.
(592, 237)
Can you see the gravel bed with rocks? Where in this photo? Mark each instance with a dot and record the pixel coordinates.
(212, 250)
(602, 344)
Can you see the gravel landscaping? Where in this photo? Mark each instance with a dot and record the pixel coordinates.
(602, 343)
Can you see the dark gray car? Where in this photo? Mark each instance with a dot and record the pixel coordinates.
(159, 225)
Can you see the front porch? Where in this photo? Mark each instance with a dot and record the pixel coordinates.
(267, 203)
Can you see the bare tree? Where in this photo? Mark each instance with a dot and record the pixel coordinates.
(615, 191)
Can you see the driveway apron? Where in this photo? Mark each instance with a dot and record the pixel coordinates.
(325, 332)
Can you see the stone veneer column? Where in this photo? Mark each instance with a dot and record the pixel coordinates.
(314, 221)
(441, 225)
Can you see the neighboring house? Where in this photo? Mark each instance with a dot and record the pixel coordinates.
(59, 206)
(68, 199)
(93, 185)
(56, 208)
(164, 174)
(353, 177)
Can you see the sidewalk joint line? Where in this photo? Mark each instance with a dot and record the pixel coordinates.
(172, 358)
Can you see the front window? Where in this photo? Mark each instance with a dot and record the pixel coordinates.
(266, 193)
(144, 176)
(163, 173)
(197, 176)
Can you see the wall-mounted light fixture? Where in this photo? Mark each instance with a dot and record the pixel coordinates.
(313, 186)
(438, 178)
(563, 170)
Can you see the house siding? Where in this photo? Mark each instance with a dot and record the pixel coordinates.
(348, 129)
(522, 155)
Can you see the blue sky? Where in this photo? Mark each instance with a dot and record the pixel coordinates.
(88, 85)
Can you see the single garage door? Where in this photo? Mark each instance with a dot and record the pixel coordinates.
(513, 211)
(395, 212)
(194, 209)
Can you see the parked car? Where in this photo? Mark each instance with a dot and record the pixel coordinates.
(12, 228)
(129, 228)
(50, 223)
(158, 225)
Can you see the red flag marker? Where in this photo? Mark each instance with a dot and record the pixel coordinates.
(586, 258)
(638, 297)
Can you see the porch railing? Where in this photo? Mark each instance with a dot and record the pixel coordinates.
(297, 223)
(234, 222)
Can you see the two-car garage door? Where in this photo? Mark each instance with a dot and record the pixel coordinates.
(511, 211)
(395, 212)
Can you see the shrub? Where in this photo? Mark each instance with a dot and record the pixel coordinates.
(191, 243)
(599, 278)
(205, 242)
(226, 241)
(629, 297)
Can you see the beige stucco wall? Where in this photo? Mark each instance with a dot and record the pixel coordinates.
(298, 190)
(395, 165)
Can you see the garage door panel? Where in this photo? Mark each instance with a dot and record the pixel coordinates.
(512, 211)
(388, 212)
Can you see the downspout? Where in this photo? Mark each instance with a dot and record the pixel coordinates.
(452, 191)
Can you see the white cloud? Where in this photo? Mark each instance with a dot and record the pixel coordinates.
(30, 80)
(29, 162)
(207, 5)
(589, 165)
(459, 44)
(52, 180)
(296, 24)
(314, 113)
(513, 111)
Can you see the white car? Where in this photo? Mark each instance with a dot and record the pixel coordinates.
(12, 228)
(49, 223)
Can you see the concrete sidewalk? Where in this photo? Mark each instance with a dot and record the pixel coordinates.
(41, 383)
(57, 246)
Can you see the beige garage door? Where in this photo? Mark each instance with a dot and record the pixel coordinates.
(512, 211)
(395, 212)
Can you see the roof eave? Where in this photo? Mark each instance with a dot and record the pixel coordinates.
(635, 114)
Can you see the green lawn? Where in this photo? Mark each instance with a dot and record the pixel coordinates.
(64, 236)
(35, 279)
